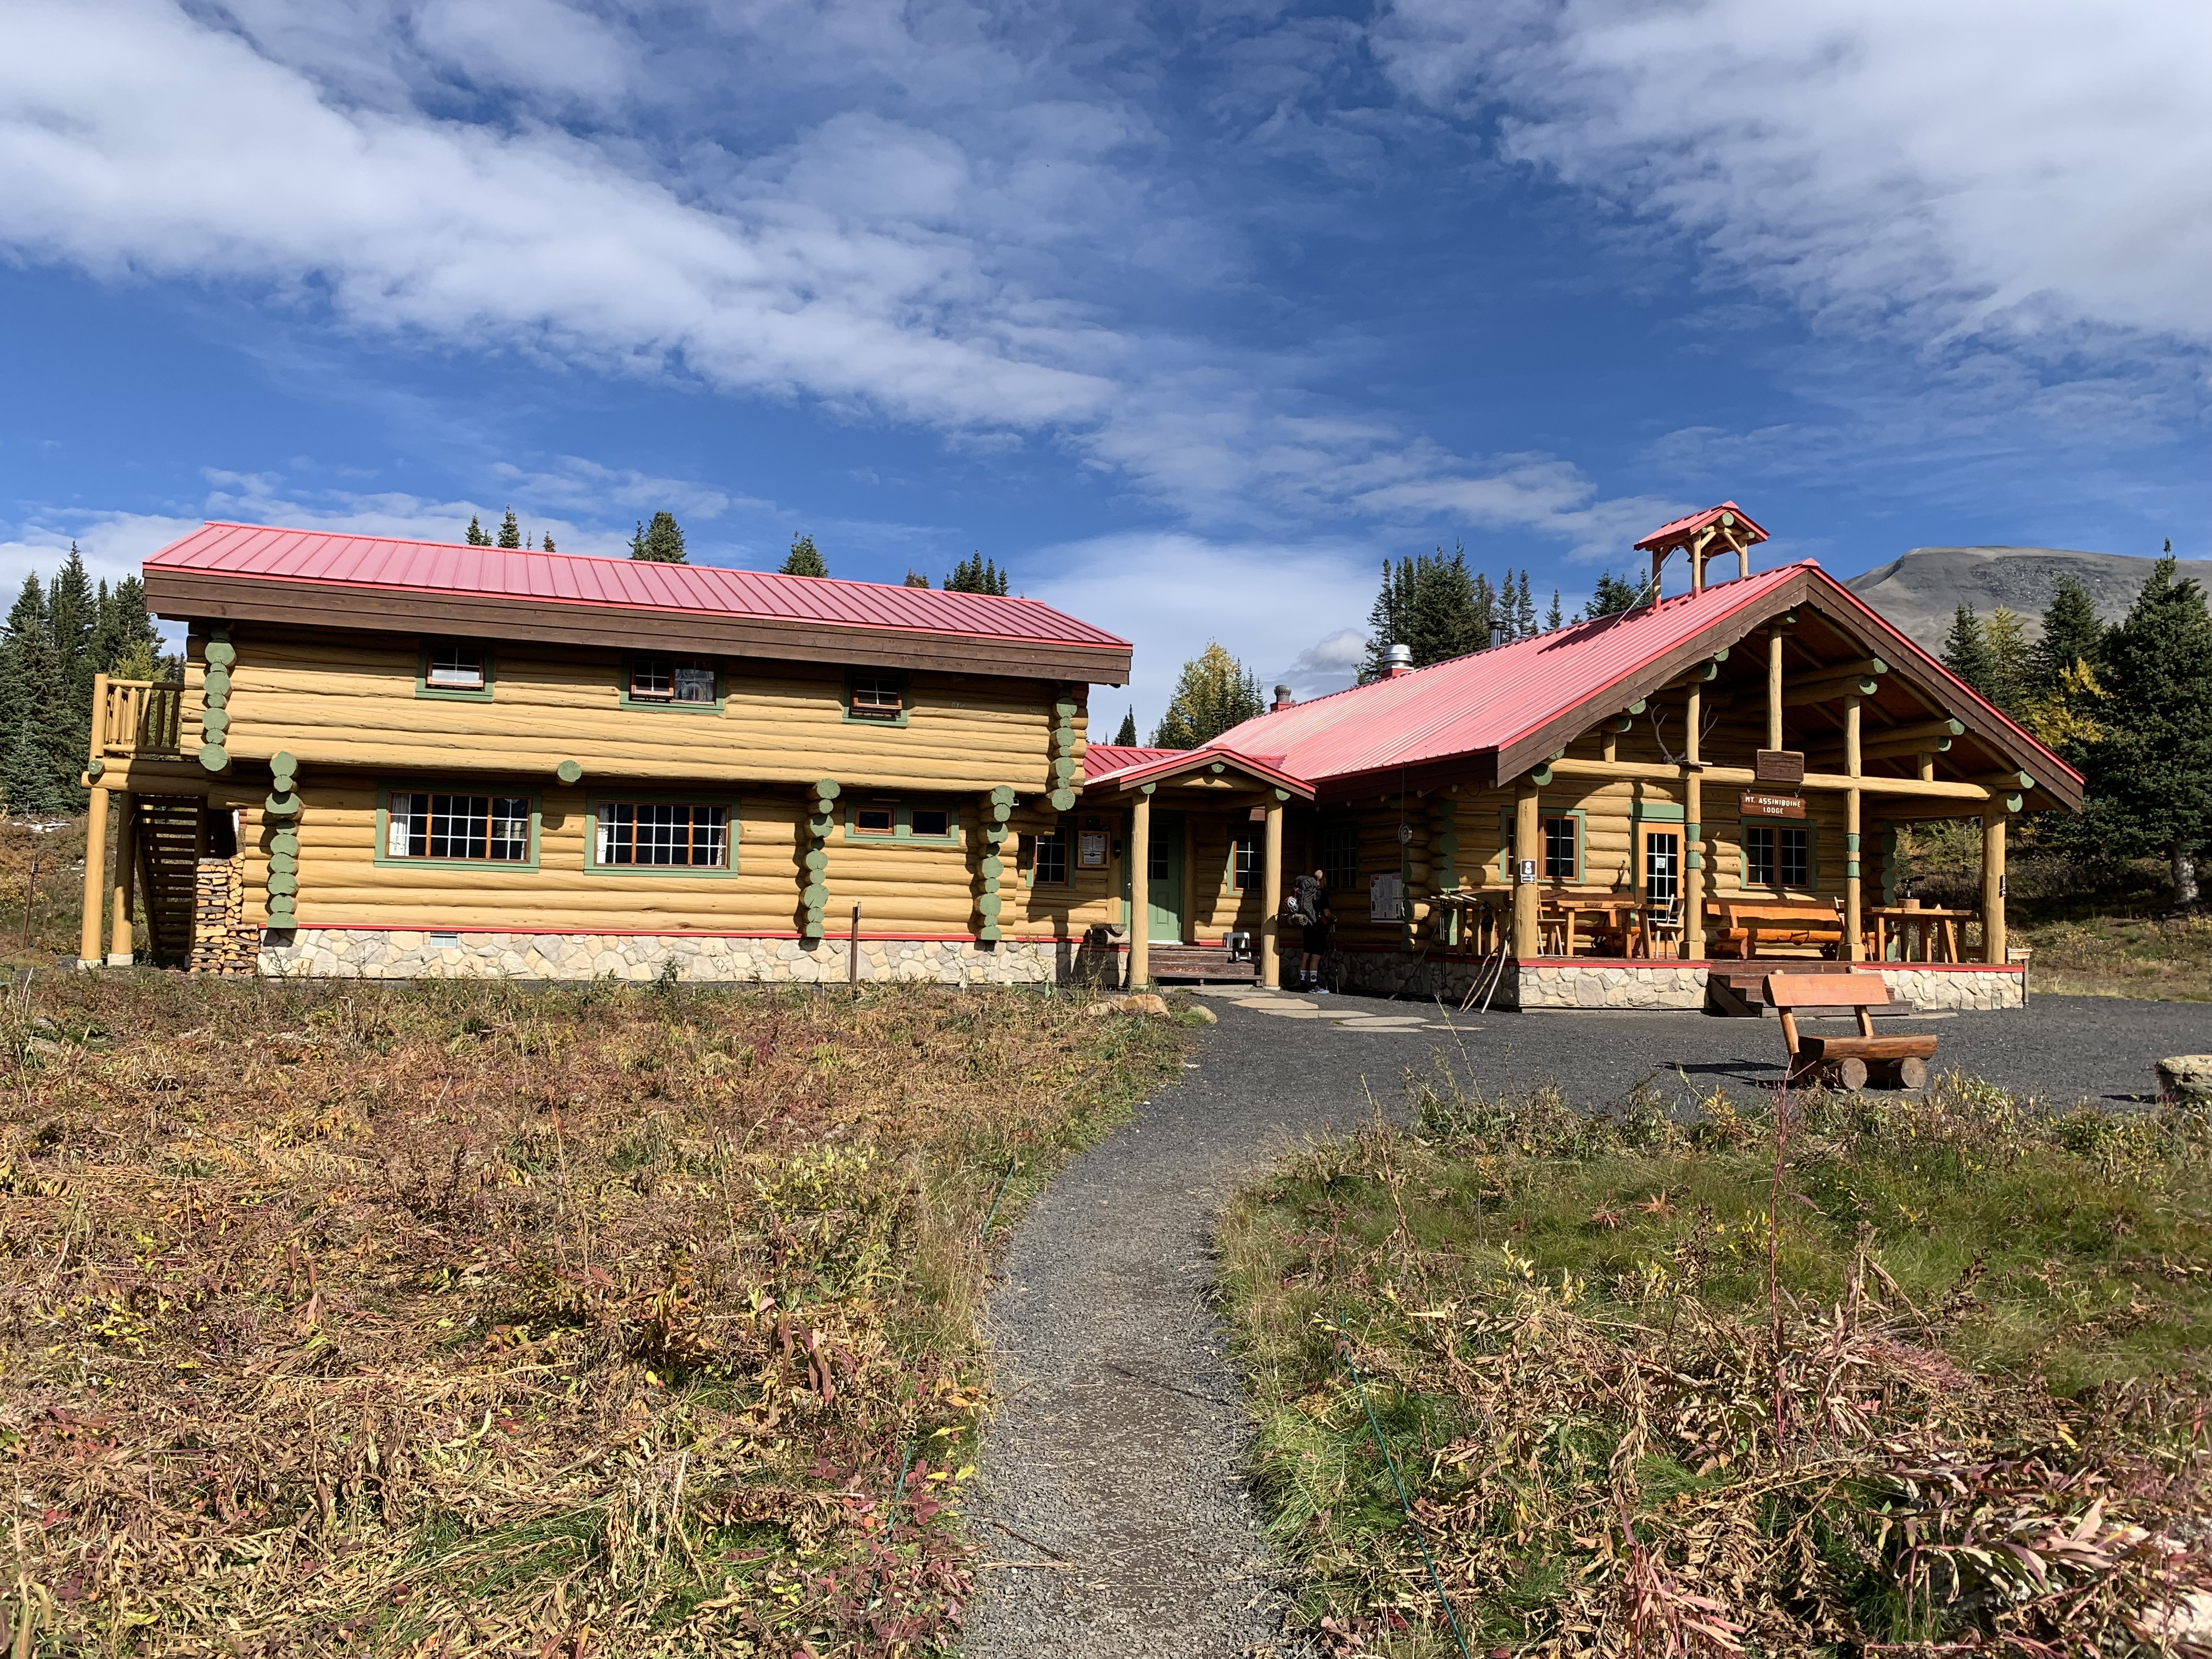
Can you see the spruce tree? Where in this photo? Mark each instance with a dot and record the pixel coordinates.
(803, 560)
(1126, 737)
(477, 536)
(976, 574)
(1612, 595)
(2071, 634)
(1485, 609)
(549, 548)
(661, 541)
(1966, 651)
(1213, 693)
(2150, 773)
(510, 533)
(1431, 606)
(915, 579)
(39, 761)
(1553, 617)
(1524, 610)
(125, 644)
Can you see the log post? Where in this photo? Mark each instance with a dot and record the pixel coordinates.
(1528, 866)
(1693, 831)
(1993, 882)
(122, 888)
(95, 879)
(1774, 689)
(1271, 896)
(1140, 897)
(1854, 910)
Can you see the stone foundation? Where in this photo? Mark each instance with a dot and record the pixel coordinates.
(382, 953)
(1595, 983)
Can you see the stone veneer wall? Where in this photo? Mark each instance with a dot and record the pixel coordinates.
(1593, 983)
(382, 953)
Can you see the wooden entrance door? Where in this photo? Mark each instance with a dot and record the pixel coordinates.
(1659, 867)
(1165, 881)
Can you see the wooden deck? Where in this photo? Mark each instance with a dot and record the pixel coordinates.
(1201, 963)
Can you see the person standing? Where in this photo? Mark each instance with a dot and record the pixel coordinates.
(1316, 919)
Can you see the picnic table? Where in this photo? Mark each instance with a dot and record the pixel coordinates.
(1752, 927)
(1559, 916)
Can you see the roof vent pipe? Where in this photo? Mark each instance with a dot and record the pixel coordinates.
(1283, 698)
(1497, 637)
(1398, 660)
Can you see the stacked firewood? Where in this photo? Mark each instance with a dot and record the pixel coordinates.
(221, 942)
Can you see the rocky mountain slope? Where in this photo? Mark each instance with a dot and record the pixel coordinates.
(1919, 592)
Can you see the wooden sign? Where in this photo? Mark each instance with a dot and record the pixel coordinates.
(1779, 766)
(1759, 806)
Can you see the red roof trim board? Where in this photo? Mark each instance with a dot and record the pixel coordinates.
(1697, 521)
(388, 564)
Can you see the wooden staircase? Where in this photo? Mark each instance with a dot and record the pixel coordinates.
(1737, 990)
(169, 829)
(1200, 962)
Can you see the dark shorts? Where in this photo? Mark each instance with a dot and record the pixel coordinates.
(1316, 938)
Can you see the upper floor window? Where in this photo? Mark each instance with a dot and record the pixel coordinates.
(646, 834)
(474, 828)
(673, 680)
(877, 697)
(1339, 856)
(454, 666)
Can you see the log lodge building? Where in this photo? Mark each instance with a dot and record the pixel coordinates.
(392, 759)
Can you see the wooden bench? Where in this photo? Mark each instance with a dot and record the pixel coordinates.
(1889, 1062)
(1747, 924)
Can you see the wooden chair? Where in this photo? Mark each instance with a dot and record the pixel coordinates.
(1890, 1063)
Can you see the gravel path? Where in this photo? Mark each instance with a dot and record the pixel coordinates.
(1117, 1460)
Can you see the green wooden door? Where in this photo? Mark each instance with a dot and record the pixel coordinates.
(1164, 915)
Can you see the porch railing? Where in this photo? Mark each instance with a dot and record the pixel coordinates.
(136, 717)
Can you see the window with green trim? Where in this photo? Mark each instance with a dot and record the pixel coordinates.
(1243, 862)
(1778, 855)
(454, 668)
(662, 835)
(884, 819)
(674, 681)
(1561, 838)
(458, 829)
(877, 697)
(1045, 857)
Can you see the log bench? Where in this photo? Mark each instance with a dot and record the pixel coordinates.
(1851, 1062)
(1745, 926)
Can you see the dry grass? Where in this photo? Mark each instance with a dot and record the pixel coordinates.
(2168, 959)
(479, 1320)
(1952, 1400)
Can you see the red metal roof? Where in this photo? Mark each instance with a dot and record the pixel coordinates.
(1101, 758)
(1697, 521)
(339, 558)
(1491, 699)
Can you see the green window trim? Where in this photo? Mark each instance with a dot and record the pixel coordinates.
(729, 804)
(1025, 857)
(898, 677)
(1811, 826)
(385, 790)
(451, 693)
(1249, 837)
(1505, 848)
(903, 824)
(630, 659)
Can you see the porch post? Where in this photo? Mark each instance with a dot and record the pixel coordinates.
(1774, 689)
(122, 888)
(1854, 909)
(95, 879)
(1993, 882)
(1140, 895)
(1527, 848)
(1693, 832)
(1271, 896)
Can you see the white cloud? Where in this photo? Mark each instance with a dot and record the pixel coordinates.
(2039, 169)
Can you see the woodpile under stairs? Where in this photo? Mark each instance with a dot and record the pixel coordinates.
(168, 830)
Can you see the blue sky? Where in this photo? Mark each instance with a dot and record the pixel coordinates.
(1189, 316)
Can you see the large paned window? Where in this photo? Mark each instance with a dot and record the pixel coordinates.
(468, 829)
(1339, 856)
(1777, 855)
(663, 835)
(1562, 848)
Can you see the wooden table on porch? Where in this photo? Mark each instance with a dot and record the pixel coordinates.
(1935, 924)
(1558, 913)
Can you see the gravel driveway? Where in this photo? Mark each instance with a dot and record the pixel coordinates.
(1111, 1506)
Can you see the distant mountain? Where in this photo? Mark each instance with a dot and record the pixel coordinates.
(1919, 593)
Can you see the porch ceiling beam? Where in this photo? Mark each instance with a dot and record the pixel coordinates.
(1743, 775)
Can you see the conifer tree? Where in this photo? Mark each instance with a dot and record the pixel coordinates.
(2071, 634)
(1486, 610)
(660, 542)
(1612, 595)
(39, 761)
(1966, 651)
(2008, 659)
(125, 644)
(915, 579)
(976, 574)
(1553, 617)
(477, 536)
(1429, 605)
(1214, 693)
(803, 560)
(1126, 737)
(2150, 773)
(1524, 610)
(549, 548)
(510, 533)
